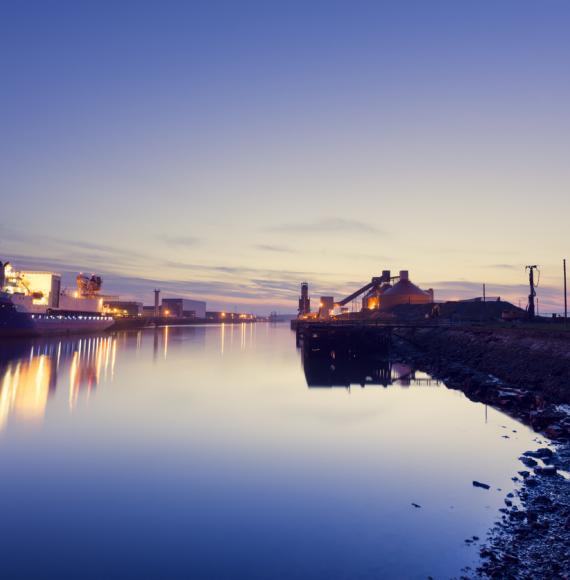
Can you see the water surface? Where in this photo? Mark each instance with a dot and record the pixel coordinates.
(201, 452)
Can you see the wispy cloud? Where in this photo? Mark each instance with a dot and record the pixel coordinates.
(275, 248)
(503, 266)
(332, 225)
(179, 240)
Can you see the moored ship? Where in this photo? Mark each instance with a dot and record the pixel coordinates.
(33, 304)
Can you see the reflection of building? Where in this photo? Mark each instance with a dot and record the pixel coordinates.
(340, 368)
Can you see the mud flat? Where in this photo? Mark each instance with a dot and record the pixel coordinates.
(526, 373)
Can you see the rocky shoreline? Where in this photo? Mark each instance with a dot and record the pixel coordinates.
(528, 377)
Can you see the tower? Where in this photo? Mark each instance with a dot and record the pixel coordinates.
(304, 300)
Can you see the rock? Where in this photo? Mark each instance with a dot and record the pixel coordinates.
(542, 500)
(481, 485)
(542, 419)
(548, 470)
(556, 431)
(540, 453)
(528, 461)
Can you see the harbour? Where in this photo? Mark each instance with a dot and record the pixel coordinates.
(345, 467)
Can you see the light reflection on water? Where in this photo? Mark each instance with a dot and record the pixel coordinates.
(202, 452)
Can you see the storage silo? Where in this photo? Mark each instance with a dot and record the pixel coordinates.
(405, 292)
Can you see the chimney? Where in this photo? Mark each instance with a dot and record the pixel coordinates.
(403, 276)
(156, 303)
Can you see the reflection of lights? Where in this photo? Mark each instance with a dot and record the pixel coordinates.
(165, 341)
(25, 389)
(88, 363)
(223, 337)
(73, 391)
(113, 357)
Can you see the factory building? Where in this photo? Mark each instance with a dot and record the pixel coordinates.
(326, 306)
(404, 292)
(183, 308)
(381, 293)
(123, 308)
(219, 316)
(373, 297)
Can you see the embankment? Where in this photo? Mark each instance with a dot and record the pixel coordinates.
(523, 370)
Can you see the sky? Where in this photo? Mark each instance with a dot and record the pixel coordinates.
(227, 151)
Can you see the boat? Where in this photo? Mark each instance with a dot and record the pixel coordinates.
(33, 304)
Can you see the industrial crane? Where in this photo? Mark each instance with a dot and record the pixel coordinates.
(376, 281)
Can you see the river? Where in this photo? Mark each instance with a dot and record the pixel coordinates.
(203, 452)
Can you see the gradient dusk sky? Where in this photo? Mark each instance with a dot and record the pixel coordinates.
(229, 150)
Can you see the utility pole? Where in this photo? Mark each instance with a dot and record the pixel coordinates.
(532, 292)
(565, 295)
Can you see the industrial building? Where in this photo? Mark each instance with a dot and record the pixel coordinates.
(183, 308)
(326, 306)
(123, 308)
(380, 294)
(404, 292)
(219, 316)
(373, 297)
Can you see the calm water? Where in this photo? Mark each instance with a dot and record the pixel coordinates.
(201, 452)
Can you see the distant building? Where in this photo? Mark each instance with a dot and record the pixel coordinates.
(183, 308)
(148, 311)
(123, 308)
(220, 316)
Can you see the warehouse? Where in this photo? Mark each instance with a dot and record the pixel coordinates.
(183, 308)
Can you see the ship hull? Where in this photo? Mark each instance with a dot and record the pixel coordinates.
(14, 323)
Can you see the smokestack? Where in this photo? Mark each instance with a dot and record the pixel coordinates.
(403, 275)
(156, 303)
(386, 276)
